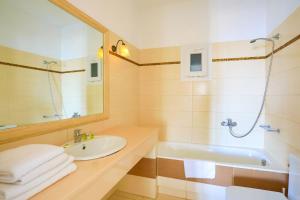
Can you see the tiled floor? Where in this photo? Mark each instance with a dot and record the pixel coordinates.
(118, 195)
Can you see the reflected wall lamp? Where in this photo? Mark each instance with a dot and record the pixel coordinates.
(100, 53)
(124, 51)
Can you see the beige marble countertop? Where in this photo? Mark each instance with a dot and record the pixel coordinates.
(140, 140)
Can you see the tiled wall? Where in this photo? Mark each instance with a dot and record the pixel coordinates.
(192, 111)
(283, 102)
(78, 94)
(123, 102)
(25, 94)
(74, 87)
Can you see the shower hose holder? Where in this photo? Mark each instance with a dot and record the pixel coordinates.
(269, 128)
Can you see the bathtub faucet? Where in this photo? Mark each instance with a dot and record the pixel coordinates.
(229, 123)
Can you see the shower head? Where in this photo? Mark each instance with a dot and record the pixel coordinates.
(267, 39)
(49, 62)
(276, 37)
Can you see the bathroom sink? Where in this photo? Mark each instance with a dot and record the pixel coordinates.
(98, 147)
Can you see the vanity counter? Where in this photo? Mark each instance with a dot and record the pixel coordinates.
(94, 178)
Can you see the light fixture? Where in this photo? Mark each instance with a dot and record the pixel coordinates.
(100, 53)
(124, 51)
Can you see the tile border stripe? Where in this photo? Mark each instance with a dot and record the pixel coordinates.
(159, 63)
(40, 69)
(214, 59)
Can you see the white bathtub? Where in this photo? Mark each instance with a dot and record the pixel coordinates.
(225, 156)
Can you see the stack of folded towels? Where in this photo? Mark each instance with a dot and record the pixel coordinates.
(27, 170)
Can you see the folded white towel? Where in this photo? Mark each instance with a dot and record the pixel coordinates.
(199, 169)
(12, 191)
(15, 163)
(45, 167)
(66, 171)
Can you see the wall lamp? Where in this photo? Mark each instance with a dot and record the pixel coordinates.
(124, 51)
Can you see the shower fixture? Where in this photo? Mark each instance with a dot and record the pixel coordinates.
(49, 62)
(51, 91)
(275, 37)
(230, 123)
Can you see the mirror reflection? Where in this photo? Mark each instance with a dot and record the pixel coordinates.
(51, 64)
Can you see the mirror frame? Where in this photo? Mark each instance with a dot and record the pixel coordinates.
(32, 130)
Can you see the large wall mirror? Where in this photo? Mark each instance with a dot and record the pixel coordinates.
(51, 65)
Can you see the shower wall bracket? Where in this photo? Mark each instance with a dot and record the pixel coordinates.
(269, 128)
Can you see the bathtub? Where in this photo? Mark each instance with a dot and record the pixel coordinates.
(223, 156)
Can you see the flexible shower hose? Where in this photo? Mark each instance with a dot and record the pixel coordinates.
(231, 131)
(50, 75)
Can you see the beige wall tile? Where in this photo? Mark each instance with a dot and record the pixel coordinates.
(150, 102)
(246, 69)
(291, 108)
(236, 49)
(190, 111)
(124, 100)
(202, 103)
(150, 88)
(25, 93)
(150, 118)
(176, 103)
(170, 72)
(177, 118)
(201, 135)
(204, 120)
(202, 87)
(176, 134)
(282, 105)
(150, 73)
(176, 87)
(55, 138)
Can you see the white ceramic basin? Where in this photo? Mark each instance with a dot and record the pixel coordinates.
(98, 147)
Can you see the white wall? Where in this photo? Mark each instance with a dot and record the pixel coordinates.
(73, 41)
(172, 22)
(159, 23)
(22, 31)
(233, 20)
(278, 11)
(94, 41)
(79, 40)
(177, 22)
(117, 15)
(155, 23)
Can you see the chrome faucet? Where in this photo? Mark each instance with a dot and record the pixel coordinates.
(76, 115)
(229, 123)
(77, 135)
